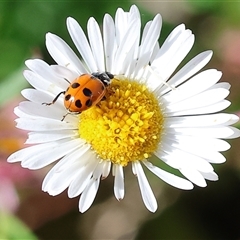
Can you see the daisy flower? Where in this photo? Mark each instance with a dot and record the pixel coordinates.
(151, 113)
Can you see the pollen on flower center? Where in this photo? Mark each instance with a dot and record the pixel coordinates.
(126, 126)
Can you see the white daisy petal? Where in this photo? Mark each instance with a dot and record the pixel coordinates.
(218, 119)
(148, 42)
(81, 43)
(200, 146)
(206, 98)
(146, 191)
(169, 178)
(202, 110)
(199, 142)
(173, 51)
(59, 181)
(89, 193)
(51, 153)
(63, 54)
(179, 158)
(106, 169)
(194, 176)
(40, 83)
(45, 71)
(118, 182)
(64, 73)
(96, 44)
(82, 152)
(221, 132)
(128, 42)
(109, 41)
(193, 66)
(82, 180)
(36, 96)
(43, 124)
(34, 110)
(195, 85)
(49, 136)
(210, 176)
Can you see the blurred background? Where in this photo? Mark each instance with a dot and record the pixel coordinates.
(28, 213)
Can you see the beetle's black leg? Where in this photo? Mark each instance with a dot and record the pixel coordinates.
(65, 116)
(54, 100)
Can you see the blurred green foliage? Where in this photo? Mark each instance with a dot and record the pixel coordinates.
(11, 228)
(209, 213)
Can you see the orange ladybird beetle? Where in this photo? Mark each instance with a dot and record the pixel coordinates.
(85, 91)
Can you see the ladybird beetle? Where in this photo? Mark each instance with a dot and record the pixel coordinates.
(85, 91)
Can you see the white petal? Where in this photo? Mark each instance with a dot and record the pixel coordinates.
(88, 195)
(44, 124)
(80, 182)
(194, 176)
(129, 40)
(41, 155)
(82, 152)
(96, 43)
(64, 73)
(81, 43)
(205, 153)
(61, 165)
(173, 52)
(49, 153)
(50, 136)
(169, 178)
(212, 176)
(178, 158)
(40, 83)
(217, 119)
(106, 169)
(235, 133)
(193, 86)
(63, 54)
(39, 97)
(32, 151)
(188, 70)
(70, 164)
(60, 180)
(214, 132)
(216, 107)
(206, 98)
(118, 182)
(203, 147)
(109, 41)
(46, 72)
(35, 110)
(146, 191)
(148, 42)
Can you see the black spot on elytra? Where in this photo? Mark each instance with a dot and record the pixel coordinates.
(67, 97)
(89, 103)
(87, 92)
(78, 103)
(75, 85)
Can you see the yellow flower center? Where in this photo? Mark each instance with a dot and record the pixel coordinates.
(126, 126)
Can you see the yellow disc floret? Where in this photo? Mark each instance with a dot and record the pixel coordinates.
(126, 126)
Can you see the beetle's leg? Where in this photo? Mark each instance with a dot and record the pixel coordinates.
(69, 113)
(65, 116)
(54, 100)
